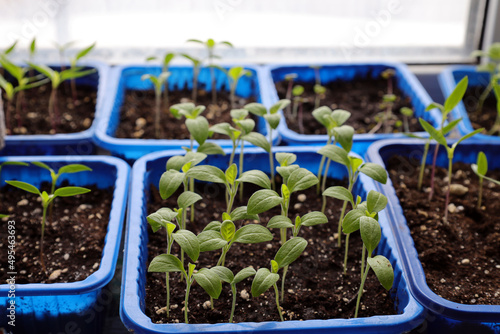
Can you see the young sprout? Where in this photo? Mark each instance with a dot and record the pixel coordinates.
(56, 79)
(439, 138)
(208, 279)
(298, 102)
(46, 200)
(265, 278)
(196, 72)
(234, 75)
(407, 113)
(387, 103)
(289, 78)
(32, 52)
(492, 67)
(79, 55)
(227, 276)
(496, 89)
(210, 45)
(61, 49)
(320, 94)
(272, 118)
(158, 83)
(480, 168)
(9, 49)
(167, 58)
(197, 125)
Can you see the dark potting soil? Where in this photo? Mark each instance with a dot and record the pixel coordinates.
(137, 113)
(461, 259)
(315, 287)
(73, 239)
(73, 117)
(362, 97)
(488, 115)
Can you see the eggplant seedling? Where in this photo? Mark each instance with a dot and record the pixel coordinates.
(272, 118)
(440, 139)
(73, 61)
(289, 78)
(167, 58)
(208, 279)
(298, 105)
(319, 91)
(234, 74)
(46, 200)
(158, 82)
(265, 278)
(61, 49)
(407, 113)
(196, 72)
(226, 275)
(480, 168)
(492, 67)
(210, 45)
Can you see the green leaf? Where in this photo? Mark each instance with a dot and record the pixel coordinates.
(280, 105)
(231, 174)
(374, 171)
(207, 173)
(339, 192)
(45, 70)
(225, 129)
(10, 48)
(450, 126)
(301, 179)
(467, 136)
(74, 74)
(482, 164)
(435, 105)
(243, 273)
(290, 251)
(320, 113)
(156, 219)
(187, 198)
(240, 213)
(170, 182)
(210, 148)
(285, 159)
(350, 223)
(263, 200)
(274, 266)
(340, 116)
(198, 128)
(210, 240)
(383, 270)
(177, 108)
(258, 140)
(24, 186)
(344, 136)
(14, 163)
(257, 109)
(210, 282)
(279, 222)
(74, 168)
(70, 191)
(176, 162)
(84, 52)
(252, 234)
(335, 153)
(188, 242)
(435, 134)
(285, 172)
(263, 280)
(224, 273)
(42, 165)
(456, 96)
(370, 233)
(256, 177)
(314, 218)
(375, 201)
(273, 120)
(165, 263)
(227, 230)
(213, 226)
(298, 90)
(247, 125)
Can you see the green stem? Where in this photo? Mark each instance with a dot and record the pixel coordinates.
(339, 230)
(225, 249)
(422, 164)
(483, 97)
(360, 292)
(191, 188)
(52, 103)
(168, 293)
(323, 185)
(157, 113)
(231, 158)
(44, 217)
(277, 301)
(231, 201)
(195, 84)
(186, 299)
(450, 164)
(320, 169)
(346, 252)
(233, 290)
(285, 269)
(479, 200)
(271, 158)
(241, 168)
(363, 255)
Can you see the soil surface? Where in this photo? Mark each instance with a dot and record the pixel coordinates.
(316, 288)
(362, 97)
(488, 116)
(73, 240)
(461, 259)
(137, 113)
(73, 117)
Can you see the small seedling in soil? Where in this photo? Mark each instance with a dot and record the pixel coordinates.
(210, 45)
(158, 82)
(61, 49)
(407, 113)
(226, 275)
(47, 199)
(480, 168)
(298, 103)
(272, 118)
(234, 74)
(388, 100)
(32, 51)
(265, 278)
(492, 67)
(289, 78)
(57, 78)
(496, 89)
(320, 94)
(196, 72)
(208, 279)
(439, 138)
(73, 61)
(167, 58)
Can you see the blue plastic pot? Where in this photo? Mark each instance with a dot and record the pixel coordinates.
(78, 143)
(75, 307)
(129, 77)
(448, 79)
(443, 316)
(148, 170)
(404, 80)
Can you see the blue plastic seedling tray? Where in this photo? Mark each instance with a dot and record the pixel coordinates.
(147, 171)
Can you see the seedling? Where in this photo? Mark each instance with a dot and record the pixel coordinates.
(56, 79)
(210, 45)
(298, 102)
(480, 168)
(167, 58)
(272, 118)
(234, 74)
(496, 89)
(320, 94)
(9, 49)
(265, 278)
(492, 67)
(227, 276)
(158, 82)
(289, 78)
(407, 113)
(439, 137)
(387, 102)
(79, 55)
(62, 48)
(32, 52)
(196, 72)
(208, 279)
(317, 76)
(47, 199)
